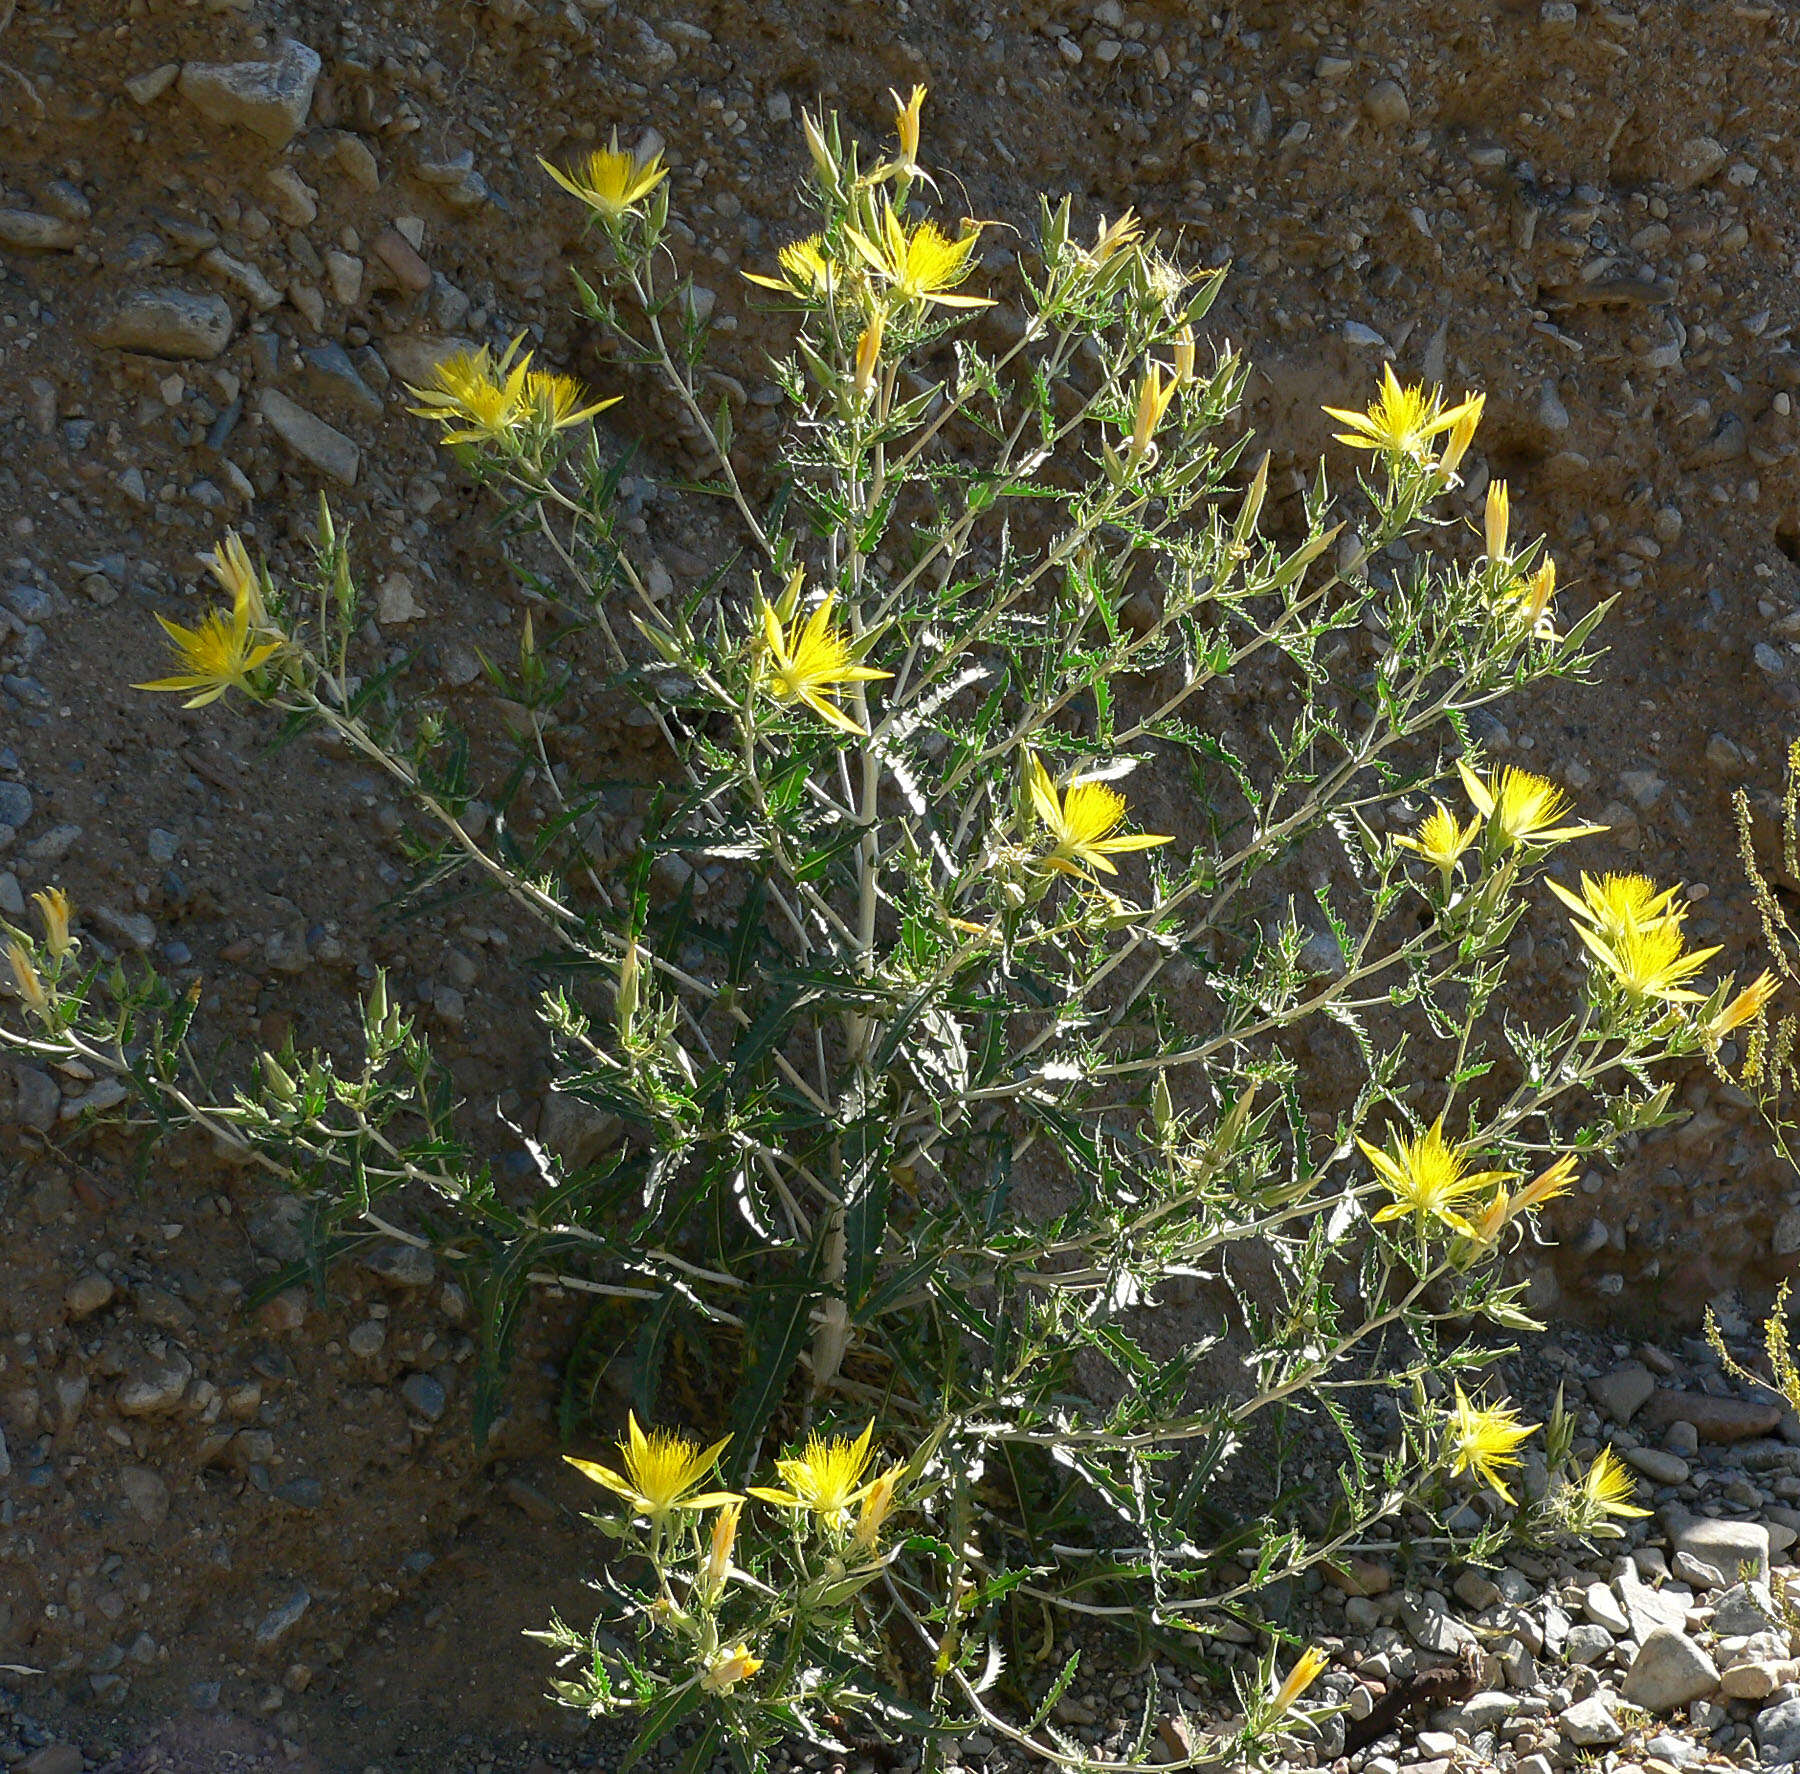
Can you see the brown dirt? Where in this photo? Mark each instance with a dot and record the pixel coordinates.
(1586, 210)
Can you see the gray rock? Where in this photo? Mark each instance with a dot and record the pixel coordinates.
(1647, 1608)
(15, 805)
(404, 1266)
(131, 930)
(1587, 1643)
(1669, 1671)
(1623, 1392)
(1386, 103)
(1602, 1607)
(1434, 1630)
(147, 1494)
(271, 99)
(36, 1099)
(30, 232)
(1723, 1549)
(330, 372)
(1743, 1609)
(1778, 1733)
(424, 1394)
(1657, 1465)
(154, 1386)
(319, 445)
(55, 844)
(1590, 1723)
(54, 1758)
(169, 323)
(282, 1619)
(88, 1294)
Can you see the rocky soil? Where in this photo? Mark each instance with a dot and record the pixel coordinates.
(213, 279)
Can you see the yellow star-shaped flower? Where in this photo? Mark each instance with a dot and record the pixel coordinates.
(1484, 1440)
(609, 180)
(810, 661)
(1401, 422)
(1081, 821)
(1429, 1178)
(663, 1471)
(921, 264)
(824, 1478)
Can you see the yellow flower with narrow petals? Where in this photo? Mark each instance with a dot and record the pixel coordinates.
(1155, 392)
(877, 1506)
(1613, 902)
(1441, 838)
(1607, 1488)
(810, 661)
(1308, 1667)
(25, 979)
(220, 653)
(476, 398)
(1745, 1007)
(868, 357)
(806, 271)
(663, 1471)
(609, 180)
(921, 264)
(555, 400)
(1082, 822)
(1649, 963)
(728, 1668)
(824, 1478)
(1521, 808)
(1401, 422)
(1549, 1184)
(54, 908)
(1484, 1440)
(906, 126)
(718, 1568)
(1429, 1179)
(230, 564)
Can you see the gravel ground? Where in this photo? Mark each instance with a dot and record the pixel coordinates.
(211, 288)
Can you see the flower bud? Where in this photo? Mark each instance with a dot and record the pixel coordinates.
(54, 908)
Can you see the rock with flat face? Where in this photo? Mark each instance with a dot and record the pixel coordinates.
(1669, 1671)
(271, 99)
(322, 446)
(168, 323)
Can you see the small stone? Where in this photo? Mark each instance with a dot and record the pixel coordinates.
(1433, 1630)
(368, 1339)
(54, 1758)
(243, 277)
(1727, 1550)
(412, 359)
(1386, 104)
(356, 162)
(330, 371)
(271, 99)
(1558, 17)
(1785, 1239)
(30, 232)
(1587, 1643)
(154, 1386)
(1602, 1607)
(284, 1314)
(401, 257)
(15, 805)
(88, 1294)
(130, 930)
(1657, 1465)
(1621, 1393)
(1745, 1609)
(1698, 160)
(296, 202)
(1591, 1723)
(148, 87)
(169, 323)
(1683, 1439)
(319, 445)
(36, 1099)
(1758, 1679)
(403, 1266)
(344, 273)
(425, 1394)
(301, 1493)
(282, 1619)
(147, 1493)
(1668, 1671)
(1647, 1608)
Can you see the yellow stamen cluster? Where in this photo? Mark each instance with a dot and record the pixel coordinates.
(825, 1478)
(921, 265)
(1429, 1179)
(663, 1472)
(1081, 821)
(479, 399)
(1634, 932)
(1521, 808)
(610, 180)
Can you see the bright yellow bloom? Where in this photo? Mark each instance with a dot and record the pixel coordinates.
(25, 978)
(825, 1478)
(718, 1569)
(220, 653)
(1608, 1487)
(1483, 1439)
(1308, 1667)
(1462, 433)
(1497, 520)
(609, 180)
(54, 908)
(663, 1471)
(877, 1506)
(728, 1668)
(1441, 839)
(811, 660)
(555, 400)
(1532, 597)
(805, 270)
(1429, 1179)
(1746, 1006)
(1401, 422)
(1082, 821)
(1521, 808)
(486, 399)
(1649, 961)
(1612, 902)
(921, 264)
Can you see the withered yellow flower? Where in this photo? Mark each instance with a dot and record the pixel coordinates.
(1082, 822)
(25, 978)
(1441, 838)
(230, 564)
(1184, 356)
(1548, 1185)
(1115, 236)
(555, 400)
(868, 357)
(921, 264)
(1402, 422)
(663, 1471)
(1154, 394)
(728, 1668)
(220, 653)
(1308, 1667)
(906, 127)
(54, 908)
(877, 1506)
(1521, 808)
(1745, 1007)
(824, 1478)
(1429, 1179)
(609, 180)
(718, 1568)
(810, 661)
(1462, 433)
(1485, 1440)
